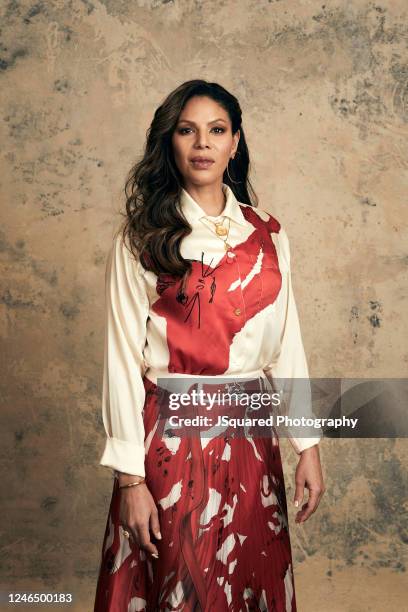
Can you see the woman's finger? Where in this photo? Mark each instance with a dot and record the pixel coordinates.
(134, 535)
(299, 492)
(128, 532)
(145, 541)
(310, 506)
(155, 524)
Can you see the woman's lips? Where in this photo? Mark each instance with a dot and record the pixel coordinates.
(201, 164)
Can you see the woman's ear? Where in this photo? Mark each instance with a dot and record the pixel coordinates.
(236, 138)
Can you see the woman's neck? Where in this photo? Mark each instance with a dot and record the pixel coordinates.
(210, 198)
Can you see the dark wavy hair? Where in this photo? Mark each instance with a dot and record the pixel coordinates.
(154, 224)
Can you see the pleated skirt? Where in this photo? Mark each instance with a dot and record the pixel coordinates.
(223, 519)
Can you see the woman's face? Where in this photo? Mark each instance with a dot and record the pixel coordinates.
(203, 131)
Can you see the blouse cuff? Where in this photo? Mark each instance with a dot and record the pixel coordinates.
(124, 456)
(301, 444)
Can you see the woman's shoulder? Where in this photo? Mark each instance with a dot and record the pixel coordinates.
(119, 246)
(125, 256)
(276, 229)
(272, 222)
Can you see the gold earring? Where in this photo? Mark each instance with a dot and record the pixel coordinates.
(232, 181)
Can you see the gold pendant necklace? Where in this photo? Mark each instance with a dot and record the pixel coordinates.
(220, 230)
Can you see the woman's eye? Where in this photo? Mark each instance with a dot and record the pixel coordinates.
(185, 130)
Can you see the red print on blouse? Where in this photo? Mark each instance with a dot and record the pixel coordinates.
(204, 316)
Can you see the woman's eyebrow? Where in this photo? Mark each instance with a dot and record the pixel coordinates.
(209, 123)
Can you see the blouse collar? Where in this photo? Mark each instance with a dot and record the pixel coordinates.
(193, 211)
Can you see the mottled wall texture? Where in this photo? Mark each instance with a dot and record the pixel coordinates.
(324, 90)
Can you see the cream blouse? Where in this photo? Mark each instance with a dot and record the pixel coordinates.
(239, 318)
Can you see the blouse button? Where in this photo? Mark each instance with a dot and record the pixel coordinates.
(237, 311)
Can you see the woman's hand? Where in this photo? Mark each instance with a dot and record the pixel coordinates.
(308, 474)
(137, 513)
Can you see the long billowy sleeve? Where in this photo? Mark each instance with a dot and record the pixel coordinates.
(288, 372)
(123, 395)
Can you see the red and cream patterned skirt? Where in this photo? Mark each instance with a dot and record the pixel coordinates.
(223, 519)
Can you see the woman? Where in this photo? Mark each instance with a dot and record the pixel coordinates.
(198, 285)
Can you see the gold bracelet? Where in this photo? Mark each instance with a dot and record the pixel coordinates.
(132, 484)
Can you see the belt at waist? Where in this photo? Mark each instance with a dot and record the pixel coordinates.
(154, 373)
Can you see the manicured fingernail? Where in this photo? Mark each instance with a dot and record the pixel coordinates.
(155, 555)
(296, 503)
(159, 535)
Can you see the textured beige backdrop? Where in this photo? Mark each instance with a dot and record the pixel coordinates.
(324, 91)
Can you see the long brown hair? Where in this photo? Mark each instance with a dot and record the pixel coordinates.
(154, 224)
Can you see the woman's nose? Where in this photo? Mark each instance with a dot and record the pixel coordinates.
(202, 139)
